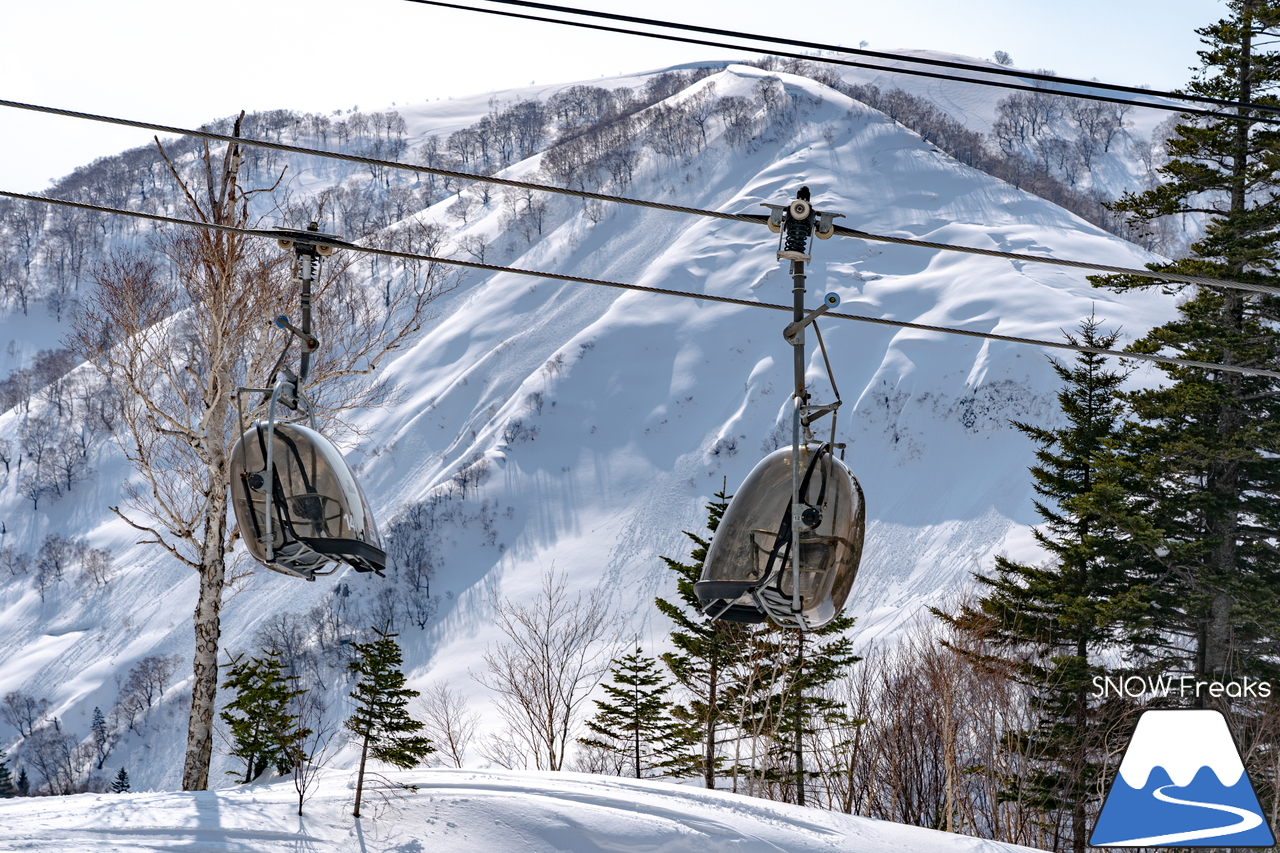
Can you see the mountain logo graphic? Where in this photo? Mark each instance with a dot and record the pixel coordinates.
(1181, 784)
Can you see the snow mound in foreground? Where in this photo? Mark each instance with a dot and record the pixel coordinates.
(458, 810)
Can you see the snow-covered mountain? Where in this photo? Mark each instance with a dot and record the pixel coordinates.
(595, 424)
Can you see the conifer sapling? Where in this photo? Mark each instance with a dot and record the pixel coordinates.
(386, 730)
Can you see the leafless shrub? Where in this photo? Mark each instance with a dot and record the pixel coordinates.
(289, 635)
(555, 651)
(475, 246)
(600, 761)
(98, 567)
(524, 213)
(739, 117)
(449, 723)
(472, 474)
(462, 209)
(315, 734)
(150, 677)
(53, 752)
(506, 749)
(14, 562)
(932, 751)
(516, 431)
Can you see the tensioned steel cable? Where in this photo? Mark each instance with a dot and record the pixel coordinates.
(918, 60)
(829, 60)
(270, 234)
(754, 218)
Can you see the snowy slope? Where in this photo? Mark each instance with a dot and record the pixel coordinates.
(1126, 166)
(600, 422)
(459, 810)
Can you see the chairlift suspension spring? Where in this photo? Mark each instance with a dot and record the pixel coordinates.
(799, 229)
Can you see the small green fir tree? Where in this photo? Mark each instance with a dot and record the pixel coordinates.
(263, 732)
(24, 784)
(386, 731)
(704, 656)
(1054, 621)
(100, 737)
(6, 778)
(120, 785)
(637, 723)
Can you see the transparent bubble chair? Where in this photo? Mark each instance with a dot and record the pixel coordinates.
(298, 503)
(749, 574)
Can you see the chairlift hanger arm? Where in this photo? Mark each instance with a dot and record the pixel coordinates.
(813, 413)
(311, 342)
(794, 328)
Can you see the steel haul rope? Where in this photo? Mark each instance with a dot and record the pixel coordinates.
(287, 234)
(895, 57)
(754, 218)
(910, 71)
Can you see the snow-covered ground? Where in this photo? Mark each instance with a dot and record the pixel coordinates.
(459, 810)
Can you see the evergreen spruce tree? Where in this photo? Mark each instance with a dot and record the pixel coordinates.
(816, 660)
(637, 724)
(1207, 440)
(1054, 620)
(24, 784)
(100, 736)
(263, 732)
(705, 655)
(385, 729)
(6, 778)
(120, 785)
(781, 700)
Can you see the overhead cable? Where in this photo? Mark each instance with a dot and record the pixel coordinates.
(896, 57)
(754, 218)
(830, 60)
(270, 234)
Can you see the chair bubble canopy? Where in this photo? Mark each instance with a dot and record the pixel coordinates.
(305, 509)
(749, 573)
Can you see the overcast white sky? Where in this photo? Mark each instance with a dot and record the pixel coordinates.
(182, 63)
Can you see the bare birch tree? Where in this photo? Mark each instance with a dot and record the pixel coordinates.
(177, 342)
(448, 722)
(557, 647)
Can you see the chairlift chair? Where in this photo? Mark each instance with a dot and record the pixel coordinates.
(310, 511)
(788, 546)
(748, 574)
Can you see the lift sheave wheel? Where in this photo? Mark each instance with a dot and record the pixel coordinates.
(748, 574)
(319, 514)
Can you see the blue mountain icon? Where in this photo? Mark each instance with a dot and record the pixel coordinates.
(1181, 783)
